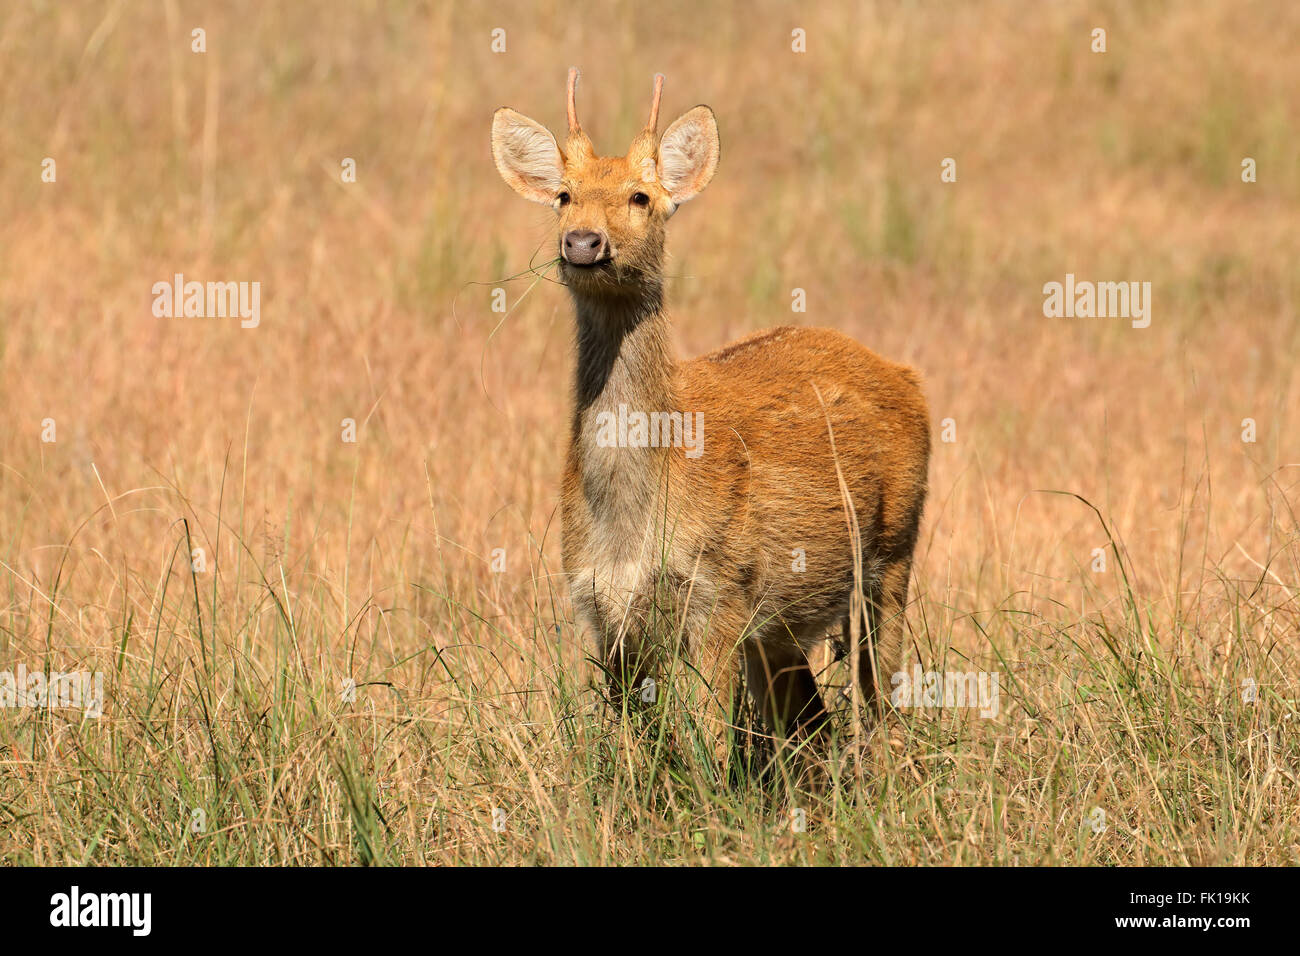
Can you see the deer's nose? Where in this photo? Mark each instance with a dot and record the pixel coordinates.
(583, 247)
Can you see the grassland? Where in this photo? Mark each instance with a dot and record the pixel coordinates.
(229, 734)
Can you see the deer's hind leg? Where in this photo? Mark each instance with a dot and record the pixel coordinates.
(882, 640)
(783, 688)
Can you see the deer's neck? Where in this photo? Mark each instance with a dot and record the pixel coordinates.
(624, 355)
(625, 366)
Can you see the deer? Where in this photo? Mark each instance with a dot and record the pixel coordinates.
(795, 506)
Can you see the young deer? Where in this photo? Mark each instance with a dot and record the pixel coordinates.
(810, 484)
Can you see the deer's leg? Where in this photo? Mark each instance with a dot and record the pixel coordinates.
(624, 658)
(627, 665)
(716, 657)
(784, 689)
(882, 640)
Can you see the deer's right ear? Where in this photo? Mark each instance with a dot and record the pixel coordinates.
(688, 154)
(527, 156)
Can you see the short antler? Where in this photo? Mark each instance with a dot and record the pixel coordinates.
(577, 148)
(653, 124)
(574, 125)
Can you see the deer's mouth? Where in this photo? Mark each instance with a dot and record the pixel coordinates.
(589, 268)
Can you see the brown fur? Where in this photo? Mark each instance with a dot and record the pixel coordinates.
(658, 545)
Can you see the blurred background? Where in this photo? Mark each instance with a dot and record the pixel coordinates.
(376, 295)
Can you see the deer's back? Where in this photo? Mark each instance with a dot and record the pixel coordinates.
(783, 406)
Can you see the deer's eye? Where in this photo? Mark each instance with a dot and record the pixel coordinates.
(563, 198)
(640, 199)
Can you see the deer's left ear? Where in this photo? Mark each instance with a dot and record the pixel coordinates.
(688, 154)
(526, 155)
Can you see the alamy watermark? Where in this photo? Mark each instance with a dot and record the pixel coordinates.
(919, 688)
(1099, 300)
(73, 690)
(130, 910)
(211, 300)
(633, 429)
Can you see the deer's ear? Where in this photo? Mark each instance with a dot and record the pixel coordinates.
(527, 156)
(688, 154)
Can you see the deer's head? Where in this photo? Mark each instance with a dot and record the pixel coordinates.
(611, 210)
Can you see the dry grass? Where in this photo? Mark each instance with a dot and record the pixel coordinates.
(329, 561)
